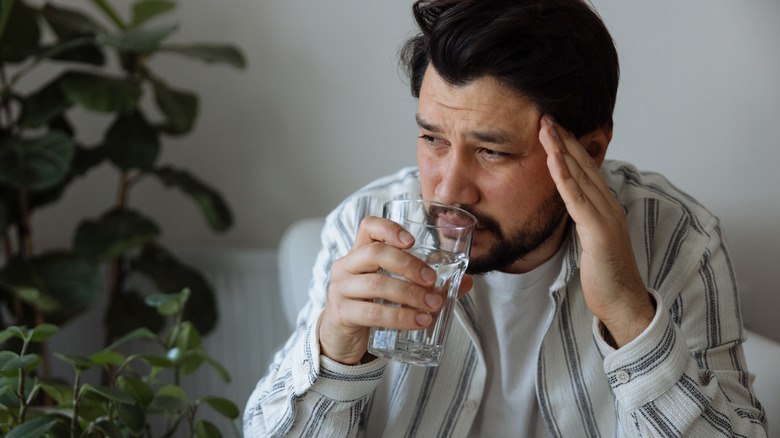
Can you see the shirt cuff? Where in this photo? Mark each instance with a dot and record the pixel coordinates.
(329, 378)
(649, 365)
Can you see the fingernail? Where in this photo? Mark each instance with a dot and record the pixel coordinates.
(553, 128)
(423, 319)
(433, 300)
(428, 274)
(405, 237)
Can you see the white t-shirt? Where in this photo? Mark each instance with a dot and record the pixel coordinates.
(513, 312)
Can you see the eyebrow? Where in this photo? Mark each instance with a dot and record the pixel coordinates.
(495, 137)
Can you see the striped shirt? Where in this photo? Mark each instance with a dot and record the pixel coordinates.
(685, 375)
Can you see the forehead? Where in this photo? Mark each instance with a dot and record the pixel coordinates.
(483, 100)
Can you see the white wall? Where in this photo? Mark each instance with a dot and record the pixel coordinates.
(323, 109)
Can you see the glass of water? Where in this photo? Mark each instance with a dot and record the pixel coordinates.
(442, 238)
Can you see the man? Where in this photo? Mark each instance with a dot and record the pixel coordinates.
(606, 303)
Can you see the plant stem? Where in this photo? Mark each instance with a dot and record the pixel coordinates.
(45, 358)
(26, 247)
(76, 400)
(22, 398)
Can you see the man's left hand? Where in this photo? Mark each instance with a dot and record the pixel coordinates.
(613, 288)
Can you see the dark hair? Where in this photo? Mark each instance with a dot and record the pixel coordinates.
(558, 53)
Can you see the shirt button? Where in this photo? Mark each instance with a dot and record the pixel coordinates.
(306, 367)
(623, 376)
(471, 405)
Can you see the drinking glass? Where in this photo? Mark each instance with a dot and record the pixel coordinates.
(442, 238)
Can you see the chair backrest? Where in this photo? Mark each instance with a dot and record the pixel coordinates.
(297, 252)
(301, 243)
(763, 359)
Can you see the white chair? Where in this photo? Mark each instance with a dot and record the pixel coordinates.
(301, 243)
(297, 252)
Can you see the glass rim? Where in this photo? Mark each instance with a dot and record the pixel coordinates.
(439, 203)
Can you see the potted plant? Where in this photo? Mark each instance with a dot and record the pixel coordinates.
(41, 155)
(136, 390)
(103, 65)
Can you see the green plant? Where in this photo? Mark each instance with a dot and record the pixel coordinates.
(41, 155)
(136, 390)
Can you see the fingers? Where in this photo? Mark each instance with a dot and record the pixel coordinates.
(376, 229)
(368, 287)
(379, 245)
(575, 173)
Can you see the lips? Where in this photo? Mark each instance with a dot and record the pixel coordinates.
(453, 220)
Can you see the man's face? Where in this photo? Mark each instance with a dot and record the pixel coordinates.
(479, 148)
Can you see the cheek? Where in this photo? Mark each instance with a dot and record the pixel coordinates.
(428, 173)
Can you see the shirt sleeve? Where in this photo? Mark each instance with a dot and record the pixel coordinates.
(685, 375)
(305, 393)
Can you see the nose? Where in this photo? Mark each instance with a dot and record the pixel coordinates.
(457, 185)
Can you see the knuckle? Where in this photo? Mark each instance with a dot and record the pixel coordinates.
(374, 313)
(374, 282)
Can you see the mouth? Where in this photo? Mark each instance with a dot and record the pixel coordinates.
(453, 220)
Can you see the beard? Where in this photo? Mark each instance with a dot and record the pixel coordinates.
(507, 248)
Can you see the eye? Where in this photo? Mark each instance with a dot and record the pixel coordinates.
(494, 155)
(430, 139)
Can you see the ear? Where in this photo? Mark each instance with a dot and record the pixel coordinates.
(596, 143)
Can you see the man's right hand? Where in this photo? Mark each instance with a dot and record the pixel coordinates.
(355, 282)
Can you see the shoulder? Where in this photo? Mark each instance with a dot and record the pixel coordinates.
(650, 195)
(368, 200)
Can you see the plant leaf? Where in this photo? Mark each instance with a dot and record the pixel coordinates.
(36, 427)
(170, 403)
(127, 312)
(81, 363)
(157, 361)
(44, 105)
(136, 388)
(131, 143)
(61, 393)
(189, 338)
(100, 93)
(222, 405)
(209, 53)
(140, 40)
(36, 164)
(110, 429)
(21, 34)
(21, 362)
(43, 332)
(174, 391)
(172, 276)
(109, 393)
(133, 416)
(105, 358)
(113, 234)
(56, 281)
(139, 333)
(206, 429)
(145, 10)
(191, 362)
(179, 107)
(167, 304)
(211, 203)
(13, 332)
(67, 23)
(84, 159)
(5, 13)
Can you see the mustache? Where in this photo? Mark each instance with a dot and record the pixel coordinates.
(485, 222)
